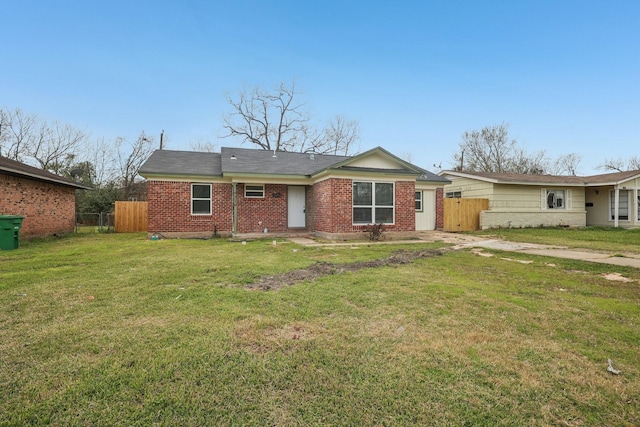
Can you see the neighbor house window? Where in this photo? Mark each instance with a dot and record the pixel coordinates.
(254, 191)
(200, 199)
(419, 201)
(623, 206)
(453, 195)
(556, 199)
(373, 203)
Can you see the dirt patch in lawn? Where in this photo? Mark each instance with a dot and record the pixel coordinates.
(323, 268)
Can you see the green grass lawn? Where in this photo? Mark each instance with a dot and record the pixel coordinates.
(608, 239)
(113, 329)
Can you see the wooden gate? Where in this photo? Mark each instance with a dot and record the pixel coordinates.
(131, 217)
(463, 214)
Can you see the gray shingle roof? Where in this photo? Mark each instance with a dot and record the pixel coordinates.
(248, 161)
(170, 162)
(15, 168)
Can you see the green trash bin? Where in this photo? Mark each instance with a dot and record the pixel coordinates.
(10, 231)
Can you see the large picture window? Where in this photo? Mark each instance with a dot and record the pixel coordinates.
(373, 203)
(200, 199)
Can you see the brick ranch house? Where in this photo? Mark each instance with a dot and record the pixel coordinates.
(239, 191)
(47, 201)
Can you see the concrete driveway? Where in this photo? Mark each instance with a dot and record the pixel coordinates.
(465, 241)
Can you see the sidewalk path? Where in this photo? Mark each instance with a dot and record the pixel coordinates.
(463, 241)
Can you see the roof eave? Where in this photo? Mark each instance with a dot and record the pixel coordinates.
(36, 177)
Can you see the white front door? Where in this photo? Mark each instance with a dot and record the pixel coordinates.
(296, 200)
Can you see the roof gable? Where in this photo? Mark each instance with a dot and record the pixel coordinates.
(378, 159)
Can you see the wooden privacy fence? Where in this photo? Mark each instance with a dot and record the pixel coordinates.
(463, 214)
(131, 217)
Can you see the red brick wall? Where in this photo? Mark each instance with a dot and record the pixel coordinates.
(47, 208)
(333, 203)
(329, 208)
(254, 214)
(440, 208)
(170, 208)
(405, 207)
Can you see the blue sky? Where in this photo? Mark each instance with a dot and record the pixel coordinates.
(415, 74)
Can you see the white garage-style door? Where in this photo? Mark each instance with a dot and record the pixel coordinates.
(425, 210)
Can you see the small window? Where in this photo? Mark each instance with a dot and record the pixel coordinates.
(453, 195)
(556, 199)
(254, 191)
(419, 201)
(200, 199)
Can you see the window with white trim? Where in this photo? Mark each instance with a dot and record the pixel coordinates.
(254, 191)
(453, 195)
(556, 199)
(419, 201)
(623, 206)
(200, 199)
(373, 202)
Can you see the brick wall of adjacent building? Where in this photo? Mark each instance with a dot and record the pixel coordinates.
(47, 208)
(170, 209)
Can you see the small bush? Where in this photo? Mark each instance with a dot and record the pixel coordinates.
(376, 232)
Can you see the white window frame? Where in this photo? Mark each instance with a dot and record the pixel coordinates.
(256, 192)
(210, 198)
(373, 206)
(453, 195)
(612, 196)
(419, 200)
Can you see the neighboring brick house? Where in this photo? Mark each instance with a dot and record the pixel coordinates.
(47, 201)
(240, 191)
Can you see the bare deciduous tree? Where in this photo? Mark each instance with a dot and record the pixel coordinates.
(566, 164)
(54, 146)
(620, 165)
(340, 135)
(129, 159)
(203, 146)
(491, 150)
(277, 121)
(28, 138)
(16, 128)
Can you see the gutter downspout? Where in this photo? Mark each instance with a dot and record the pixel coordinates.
(616, 206)
(234, 215)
